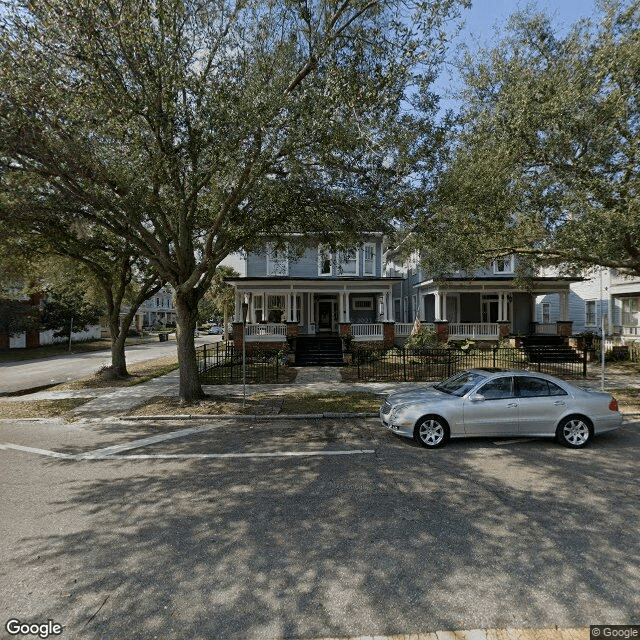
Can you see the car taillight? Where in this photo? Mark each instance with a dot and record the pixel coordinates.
(613, 405)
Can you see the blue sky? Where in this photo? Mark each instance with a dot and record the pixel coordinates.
(483, 16)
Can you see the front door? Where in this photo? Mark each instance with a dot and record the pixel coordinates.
(325, 314)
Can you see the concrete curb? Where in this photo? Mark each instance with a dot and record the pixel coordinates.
(251, 416)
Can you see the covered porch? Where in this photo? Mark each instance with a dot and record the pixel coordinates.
(490, 309)
(277, 309)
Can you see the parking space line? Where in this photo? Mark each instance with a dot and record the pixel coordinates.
(40, 452)
(273, 454)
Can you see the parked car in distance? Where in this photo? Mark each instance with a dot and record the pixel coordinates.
(215, 331)
(499, 402)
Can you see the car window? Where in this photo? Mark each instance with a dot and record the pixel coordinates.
(460, 383)
(530, 387)
(498, 388)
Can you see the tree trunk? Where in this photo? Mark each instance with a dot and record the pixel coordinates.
(118, 358)
(187, 316)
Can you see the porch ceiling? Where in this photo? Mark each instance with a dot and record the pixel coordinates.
(539, 286)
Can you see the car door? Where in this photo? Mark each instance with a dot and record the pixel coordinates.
(541, 405)
(492, 410)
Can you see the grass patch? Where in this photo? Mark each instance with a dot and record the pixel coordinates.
(138, 373)
(62, 348)
(171, 406)
(329, 402)
(264, 404)
(40, 408)
(255, 374)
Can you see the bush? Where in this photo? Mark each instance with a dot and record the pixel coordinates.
(426, 337)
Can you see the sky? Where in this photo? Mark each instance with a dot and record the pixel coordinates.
(483, 16)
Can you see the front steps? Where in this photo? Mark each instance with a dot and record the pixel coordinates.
(319, 351)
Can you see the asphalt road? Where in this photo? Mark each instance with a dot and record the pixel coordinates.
(338, 529)
(29, 374)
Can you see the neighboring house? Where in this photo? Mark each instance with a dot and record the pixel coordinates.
(487, 305)
(602, 297)
(158, 311)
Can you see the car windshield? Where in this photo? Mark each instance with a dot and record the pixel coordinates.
(459, 384)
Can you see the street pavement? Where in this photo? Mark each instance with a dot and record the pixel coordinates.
(19, 375)
(270, 529)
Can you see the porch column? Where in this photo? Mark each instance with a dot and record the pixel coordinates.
(501, 314)
(564, 306)
(238, 310)
(438, 306)
(347, 306)
(443, 307)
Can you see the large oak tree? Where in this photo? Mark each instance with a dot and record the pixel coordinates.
(546, 157)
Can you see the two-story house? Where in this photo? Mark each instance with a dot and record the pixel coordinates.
(487, 305)
(315, 293)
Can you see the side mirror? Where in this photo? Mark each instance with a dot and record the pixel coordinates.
(477, 397)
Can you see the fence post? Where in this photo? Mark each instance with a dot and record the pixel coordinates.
(204, 357)
(404, 362)
(495, 353)
(448, 363)
(584, 361)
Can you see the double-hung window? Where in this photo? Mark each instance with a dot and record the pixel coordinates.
(325, 261)
(503, 265)
(590, 313)
(349, 262)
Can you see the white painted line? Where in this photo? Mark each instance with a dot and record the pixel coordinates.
(41, 452)
(275, 454)
(143, 442)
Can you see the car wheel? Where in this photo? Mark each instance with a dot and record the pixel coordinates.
(431, 432)
(575, 432)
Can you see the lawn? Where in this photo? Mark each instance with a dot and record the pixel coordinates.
(39, 408)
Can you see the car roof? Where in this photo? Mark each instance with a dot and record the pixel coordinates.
(491, 372)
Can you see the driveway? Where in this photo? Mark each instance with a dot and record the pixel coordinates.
(30, 374)
(243, 529)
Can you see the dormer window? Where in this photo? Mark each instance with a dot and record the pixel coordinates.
(503, 265)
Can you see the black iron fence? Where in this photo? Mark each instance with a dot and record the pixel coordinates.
(221, 363)
(437, 364)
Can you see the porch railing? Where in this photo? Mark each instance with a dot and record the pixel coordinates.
(546, 328)
(265, 331)
(630, 331)
(472, 330)
(403, 329)
(367, 331)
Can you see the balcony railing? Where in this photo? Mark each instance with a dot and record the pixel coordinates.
(546, 328)
(474, 330)
(271, 331)
(362, 332)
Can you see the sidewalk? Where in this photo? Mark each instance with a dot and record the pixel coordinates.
(112, 401)
(552, 633)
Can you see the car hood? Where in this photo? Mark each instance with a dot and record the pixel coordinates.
(425, 394)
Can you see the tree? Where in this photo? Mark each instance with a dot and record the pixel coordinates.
(108, 265)
(546, 159)
(190, 127)
(68, 310)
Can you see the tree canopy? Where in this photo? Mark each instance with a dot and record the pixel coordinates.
(545, 160)
(190, 127)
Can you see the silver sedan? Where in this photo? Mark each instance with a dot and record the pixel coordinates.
(490, 402)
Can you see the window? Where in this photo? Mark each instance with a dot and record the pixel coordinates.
(257, 308)
(275, 308)
(277, 260)
(362, 303)
(369, 268)
(348, 262)
(498, 389)
(530, 387)
(325, 263)
(590, 313)
(503, 265)
(630, 309)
